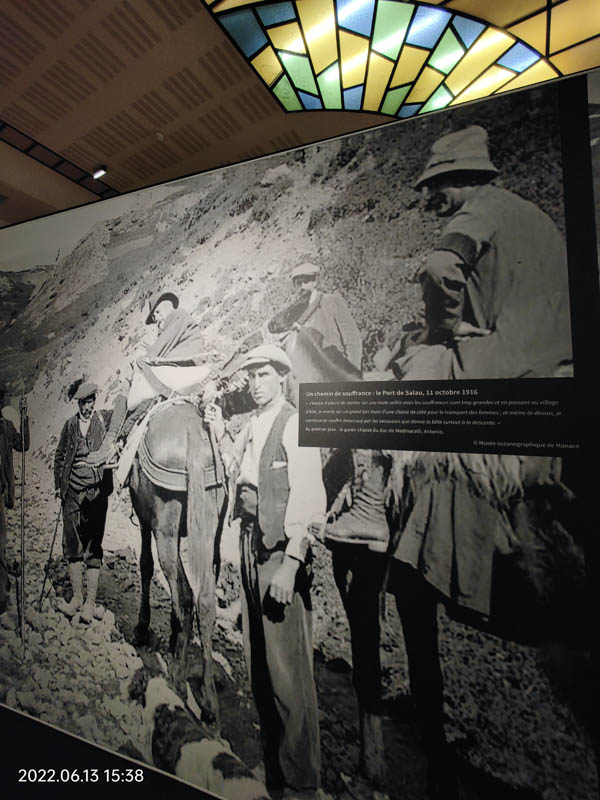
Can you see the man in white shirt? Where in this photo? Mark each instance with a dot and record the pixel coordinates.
(279, 495)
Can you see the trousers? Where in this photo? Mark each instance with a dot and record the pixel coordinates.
(83, 527)
(279, 654)
(4, 579)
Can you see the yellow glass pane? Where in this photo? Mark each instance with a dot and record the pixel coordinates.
(318, 22)
(428, 82)
(354, 52)
(490, 45)
(539, 73)
(408, 65)
(380, 69)
(532, 31)
(226, 5)
(287, 37)
(498, 12)
(572, 22)
(584, 56)
(492, 79)
(267, 65)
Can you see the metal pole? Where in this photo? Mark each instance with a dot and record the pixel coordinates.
(49, 558)
(22, 575)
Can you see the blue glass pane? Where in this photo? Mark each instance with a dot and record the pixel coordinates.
(467, 29)
(356, 15)
(278, 12)
(309, 101)
(409, 111)
(427, 26)
(519, 58)
(353, 98)
(245, 30)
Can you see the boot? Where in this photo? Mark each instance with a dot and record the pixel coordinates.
(90, 610)
(76, 578)
(107, 450)
(372, 754)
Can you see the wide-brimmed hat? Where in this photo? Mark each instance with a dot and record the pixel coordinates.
(305, 270)
(268, 354)
(157, 298)
(465, 150)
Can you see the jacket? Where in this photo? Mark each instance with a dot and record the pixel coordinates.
(10, 439)
(67, 446)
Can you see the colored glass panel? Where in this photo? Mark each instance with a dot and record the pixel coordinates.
(533, 31)
(490, 46)
(492, 79)
(299, 70)
(439, 99)
(329, 86)
(353, 98)
(584, 56)
(227, 5)
(286, 95)
(318, 22)
(267, 65)
(391, 24)
(498, 12)
(427, 26)
(354, 54)
(467, 29)
(408, 111)
(287, 37)
(428, 82)
(278, 12)
(378, 76)
(356, 15)
(537, 74)
(393, 99)
(447, 53)
(310, 102)
(409, 65)
(519, 58)
(245, 30)
(573, 22)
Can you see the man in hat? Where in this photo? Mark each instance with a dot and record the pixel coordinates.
(496, 285)
(179, 335)
(84, 490)
(326, 314)
(279, 494)
(10, 439)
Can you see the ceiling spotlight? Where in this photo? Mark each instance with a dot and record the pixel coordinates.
(99, 172)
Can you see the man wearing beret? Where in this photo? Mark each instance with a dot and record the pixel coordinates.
(279, 495)
(84, 490)
(10, 439)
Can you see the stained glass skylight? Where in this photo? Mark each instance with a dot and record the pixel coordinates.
(404, 58)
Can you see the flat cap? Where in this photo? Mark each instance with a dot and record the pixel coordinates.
(157, 298)
(461, 151)
(85, 390)
(268, 354)
(305, 270)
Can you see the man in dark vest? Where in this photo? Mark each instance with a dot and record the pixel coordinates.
(279, 495)
(84, 490)
(10, 439)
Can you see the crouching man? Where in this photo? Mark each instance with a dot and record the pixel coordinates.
(279, 494)
(84, 490)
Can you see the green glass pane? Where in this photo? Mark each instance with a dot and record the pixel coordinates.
(447, 53)
(391, 24)
(286, 95)
(439, 99)
(300, 72)
(393, 99)
(329, 84)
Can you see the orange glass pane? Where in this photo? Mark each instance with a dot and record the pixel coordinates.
(408, 65)
(533, 31)
(354, 51)
(498, 12)
(267, 65)
(539, 73)
(287, 37)
(226, 5)
(318, 22)
(428, 82)
(492, 79)
(481, 55)
(380, 69)
(575, 59)
(572, 22)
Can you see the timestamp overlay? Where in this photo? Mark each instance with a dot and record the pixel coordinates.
(527, 416)
(69, 775)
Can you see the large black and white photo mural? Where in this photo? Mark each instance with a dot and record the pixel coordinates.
(206, 595)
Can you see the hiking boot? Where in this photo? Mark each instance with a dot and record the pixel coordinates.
(90, 610)
(76, 577)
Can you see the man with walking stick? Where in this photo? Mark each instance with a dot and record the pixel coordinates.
(10, 439)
